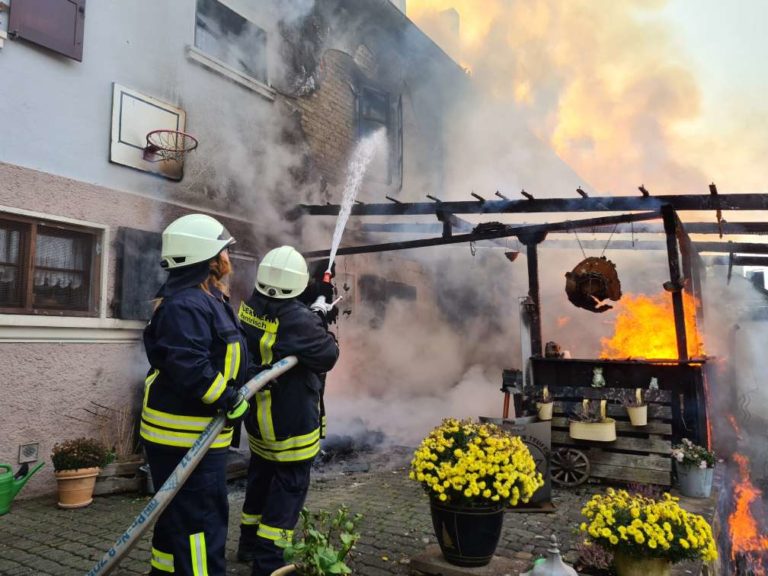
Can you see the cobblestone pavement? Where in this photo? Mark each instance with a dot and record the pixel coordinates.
(37, 538)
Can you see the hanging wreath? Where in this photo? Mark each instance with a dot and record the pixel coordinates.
(592, 282)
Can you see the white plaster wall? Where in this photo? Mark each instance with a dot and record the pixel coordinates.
(57, 112)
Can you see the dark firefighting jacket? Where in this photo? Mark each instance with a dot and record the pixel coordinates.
(199, 359)
(283, 423)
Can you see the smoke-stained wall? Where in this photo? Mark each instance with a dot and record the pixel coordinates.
(261, 153)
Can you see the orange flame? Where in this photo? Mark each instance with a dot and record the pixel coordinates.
(745, 535)
(645, 328)
(734, 425)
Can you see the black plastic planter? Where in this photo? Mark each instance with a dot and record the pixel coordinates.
(468, 536)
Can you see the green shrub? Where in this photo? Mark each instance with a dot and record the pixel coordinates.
(80, 453)
(322, 543)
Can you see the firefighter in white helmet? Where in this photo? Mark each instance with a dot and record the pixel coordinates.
(284, 426)
(198, 360)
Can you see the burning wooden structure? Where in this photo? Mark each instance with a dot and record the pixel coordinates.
(682, 374)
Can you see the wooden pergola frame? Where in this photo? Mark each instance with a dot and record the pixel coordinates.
(683, 254)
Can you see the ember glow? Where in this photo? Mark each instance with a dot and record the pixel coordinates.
(645, 328)
(748, 544)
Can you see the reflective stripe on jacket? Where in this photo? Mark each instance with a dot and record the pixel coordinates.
(198, 359)
(284, 421)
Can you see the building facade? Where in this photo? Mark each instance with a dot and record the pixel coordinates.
(276, 94)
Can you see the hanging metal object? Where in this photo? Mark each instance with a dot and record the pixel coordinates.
(552, 565)
(591, 282)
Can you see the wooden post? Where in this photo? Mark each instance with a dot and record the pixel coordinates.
(531, 242)
(675, 284)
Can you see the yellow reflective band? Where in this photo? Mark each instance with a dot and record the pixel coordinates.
(273, 533)
(265, 347)
(215, 390)
(162, 561)
(289, 443)
(250, 519)
(148, 382)
(175, 421)
(245, 313)
(180, 439)
(199, 554)
(264, 415)
(238, 354)
(297, 455)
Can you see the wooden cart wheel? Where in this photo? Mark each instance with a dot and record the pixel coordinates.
(570, 467)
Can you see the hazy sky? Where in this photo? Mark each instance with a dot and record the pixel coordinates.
(728, 46)
(668, 93)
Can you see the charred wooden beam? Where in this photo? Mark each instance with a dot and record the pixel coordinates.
(750, 228)
(675, 284)
(503, 232)
(592, 204)
(532, 241)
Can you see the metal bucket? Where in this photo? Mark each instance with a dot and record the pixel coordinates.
(693, 481)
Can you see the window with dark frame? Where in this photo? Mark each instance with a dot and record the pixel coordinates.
(58, 25)
(48, 268)
(378, 109)
(224, 34)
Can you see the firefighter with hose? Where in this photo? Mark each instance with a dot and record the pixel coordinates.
(284, 421)
(198, 359)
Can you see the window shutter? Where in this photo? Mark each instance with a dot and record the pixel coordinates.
(54, 24)
(139, 272)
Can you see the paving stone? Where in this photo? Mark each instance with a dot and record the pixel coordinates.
(36, 535)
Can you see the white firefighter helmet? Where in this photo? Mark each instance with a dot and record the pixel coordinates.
(282, 273)
(193, 238)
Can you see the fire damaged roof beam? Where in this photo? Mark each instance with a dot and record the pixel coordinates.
(645, 228)
(502, 232)
(738, 260)
(590, 204)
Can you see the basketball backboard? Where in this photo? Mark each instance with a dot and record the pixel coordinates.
(134, 115)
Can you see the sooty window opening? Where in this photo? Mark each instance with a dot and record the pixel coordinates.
(377, 110)
(226, 35)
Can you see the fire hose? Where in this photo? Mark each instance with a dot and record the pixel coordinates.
(181, 473)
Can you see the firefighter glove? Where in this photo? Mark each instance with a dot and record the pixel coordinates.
(237, 411)
(325, 289)
(321, 306)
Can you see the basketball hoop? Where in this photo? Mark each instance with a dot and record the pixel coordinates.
(168, 145)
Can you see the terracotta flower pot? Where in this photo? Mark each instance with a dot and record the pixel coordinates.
(545, 410)
(638, 415)
(284, 570)
(76, 486)
(631, 566)
(604, 431)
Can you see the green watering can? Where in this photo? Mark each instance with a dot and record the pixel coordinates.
(11, 483)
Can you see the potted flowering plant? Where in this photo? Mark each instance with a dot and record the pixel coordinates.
(470, 472)
(321, 545)
(646, 536)
(695, 467)
(591, 423)
(637, 408)
(76, 464)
